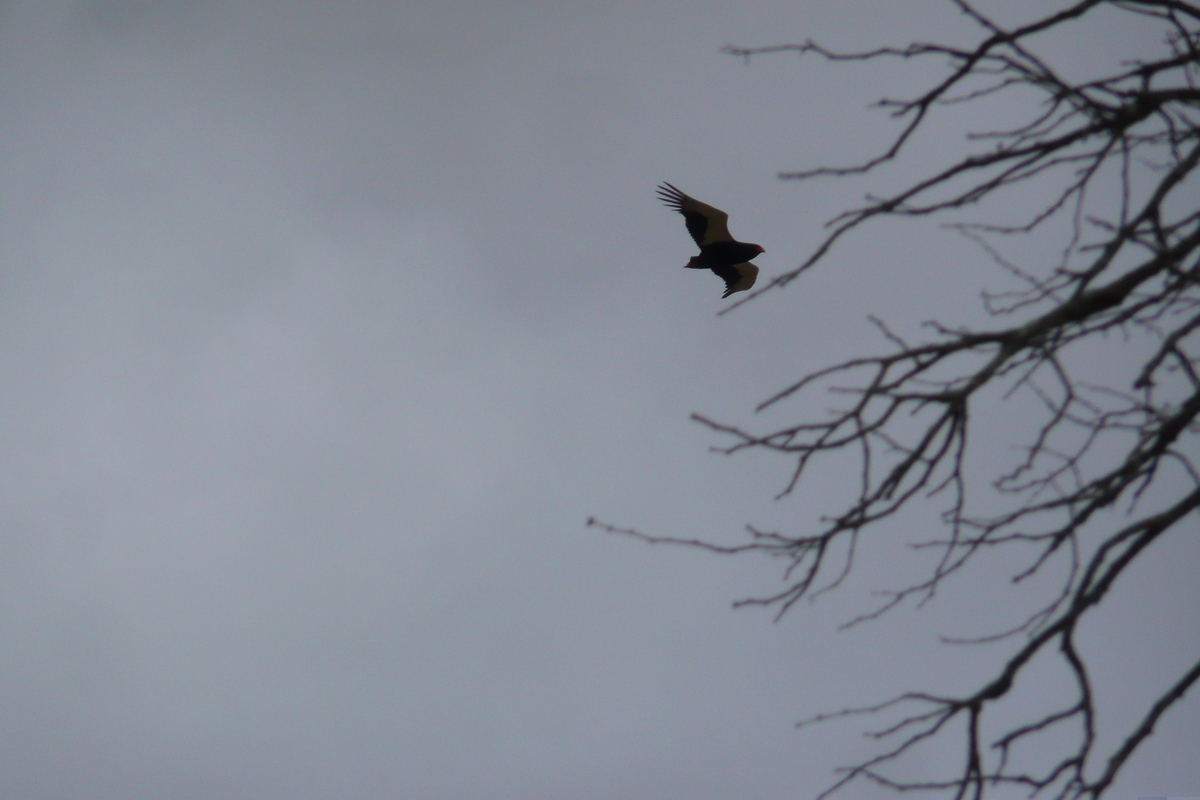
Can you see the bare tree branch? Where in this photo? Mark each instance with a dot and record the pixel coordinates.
(1101, 468)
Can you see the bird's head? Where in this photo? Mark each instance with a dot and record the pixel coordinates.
(759, 248)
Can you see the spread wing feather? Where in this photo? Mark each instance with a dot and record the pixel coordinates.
(705, 223)
(738, 277)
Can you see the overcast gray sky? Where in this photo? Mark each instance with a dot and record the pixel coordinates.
(325, 326)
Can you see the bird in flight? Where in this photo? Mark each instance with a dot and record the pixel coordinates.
(720, 252)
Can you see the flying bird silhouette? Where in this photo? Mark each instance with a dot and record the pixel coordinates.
(720, 252)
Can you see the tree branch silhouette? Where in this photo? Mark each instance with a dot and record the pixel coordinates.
(1102, 468)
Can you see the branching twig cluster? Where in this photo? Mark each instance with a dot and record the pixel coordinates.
(1081, 492)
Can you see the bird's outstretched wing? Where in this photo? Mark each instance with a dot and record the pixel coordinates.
(705, 223)
(738, 277)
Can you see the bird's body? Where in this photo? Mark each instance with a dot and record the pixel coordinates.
(719, 251)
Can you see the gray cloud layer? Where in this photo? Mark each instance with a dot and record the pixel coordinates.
(323, 329)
